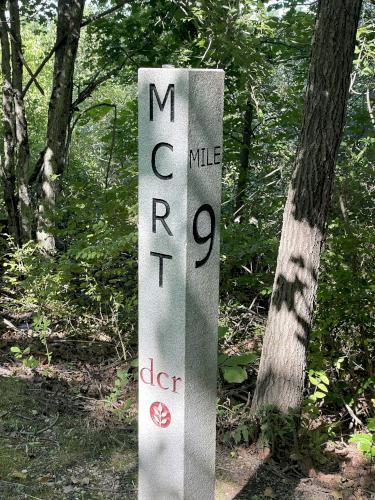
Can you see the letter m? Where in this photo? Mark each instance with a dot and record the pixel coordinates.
(153, 90)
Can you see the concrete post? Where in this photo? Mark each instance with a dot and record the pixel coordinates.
(180, 159)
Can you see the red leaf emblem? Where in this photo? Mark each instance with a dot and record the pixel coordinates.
(160, 414)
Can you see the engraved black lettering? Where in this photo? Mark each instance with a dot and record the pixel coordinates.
(194, 157)
(153, 160)
(209, 237)
(161, 104)
(216, 154)
(202, 162)
(161, 256)
(208, 162)
(162, 218)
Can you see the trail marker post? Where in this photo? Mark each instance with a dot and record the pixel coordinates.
(180, 158)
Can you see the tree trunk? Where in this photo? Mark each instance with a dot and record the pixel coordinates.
(22, 139)
(281, 374)
(52, 160)
(244, 159)
(7, 165)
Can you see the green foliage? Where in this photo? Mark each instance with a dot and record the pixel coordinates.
(41, 325)
(240, 434)
(24, 355)
(278, 431)
(233, 423)
(366, 441)
(319, 380)
(114, 401)
(122, 378)
(232, 367)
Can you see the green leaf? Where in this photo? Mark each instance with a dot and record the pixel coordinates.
(15, 349)
(221, 359)
(99, 112)
(323, 377)
(365, 447)
(223, 330)
(241, 359)
(339, 362)
(245, 433)
(361, 439)
(234, 374)
(237, 436)
(371, 424)
(313, 380)
(30, 362)
(320, 395)
(127, 404)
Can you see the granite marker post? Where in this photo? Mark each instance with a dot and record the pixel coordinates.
(180, 158)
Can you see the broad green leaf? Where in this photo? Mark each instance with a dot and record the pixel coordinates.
(360, 438)
(323, 377)
(320, 395)
(313, 380)
(222, 332)
(245, 433)
(241, 359)
(221, 359)
(234, 374)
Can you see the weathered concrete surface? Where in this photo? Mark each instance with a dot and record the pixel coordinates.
(180, 157)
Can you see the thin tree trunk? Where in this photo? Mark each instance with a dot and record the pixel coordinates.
(281, 375)
(7, 165)
(244, 159)
(52, 160)
(22, 139)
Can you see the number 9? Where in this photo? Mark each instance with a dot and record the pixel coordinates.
(210, 236)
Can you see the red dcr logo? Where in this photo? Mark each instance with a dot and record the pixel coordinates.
(160, 414)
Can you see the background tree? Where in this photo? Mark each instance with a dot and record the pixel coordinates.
(284, 354)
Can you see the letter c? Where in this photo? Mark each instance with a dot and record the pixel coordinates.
(158, 380)
(153, 160)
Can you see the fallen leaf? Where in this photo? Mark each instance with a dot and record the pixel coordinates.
(337, 495)
(45, 479)
(264, 453)
(268, 493)
(85, 481)
(17, 474)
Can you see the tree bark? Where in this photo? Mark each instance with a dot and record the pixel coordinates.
(8, 165)
(281, 374)
(22, 157)
(244, 159)
(52, 160)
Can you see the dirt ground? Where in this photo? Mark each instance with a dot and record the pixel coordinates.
(63, 437)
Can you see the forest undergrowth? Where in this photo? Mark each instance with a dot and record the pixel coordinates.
(69, 425)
